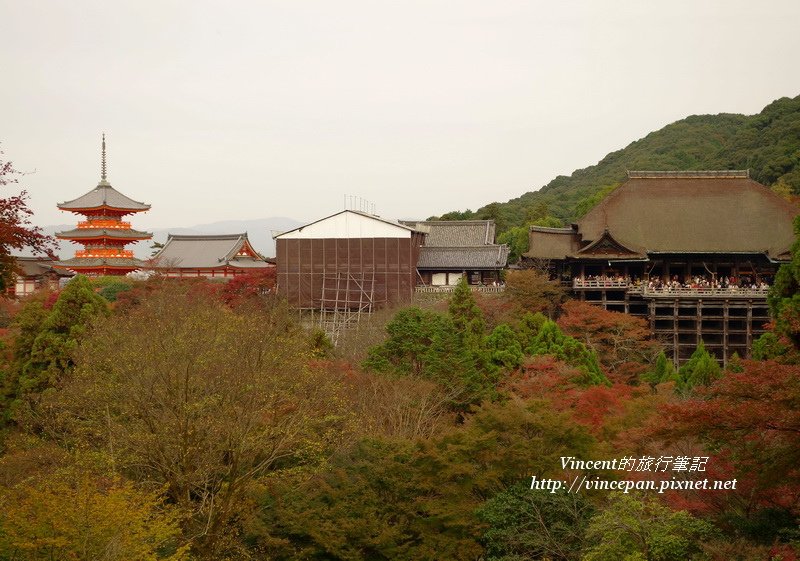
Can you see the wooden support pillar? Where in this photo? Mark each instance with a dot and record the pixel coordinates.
(675, 338)
(627, 303)
(725, 316)
(699, 320)
(603, 299)
(749, 328)
(651, 314)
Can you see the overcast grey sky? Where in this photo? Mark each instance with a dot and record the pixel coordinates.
(229, 110)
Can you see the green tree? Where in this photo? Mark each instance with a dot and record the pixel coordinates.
(470, 326)
(517, 240)
(401, 500)
(700, 369)
(26, 327)
(465, 313)
(504, 347)
(204, 400)
(526, 525)
(427, 344)
(662, 371)
(528, 327)
(771, 346)
(784, 300)
(551, 341)
(52, 351)
(631, 529)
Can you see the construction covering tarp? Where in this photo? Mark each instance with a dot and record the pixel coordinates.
(347, 273)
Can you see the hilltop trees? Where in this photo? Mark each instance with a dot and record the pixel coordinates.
(766, 143)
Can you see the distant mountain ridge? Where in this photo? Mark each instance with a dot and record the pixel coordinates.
(259, 232)
(768, 144)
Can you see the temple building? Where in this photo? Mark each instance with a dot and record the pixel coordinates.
(35, 273)
(455, 249)
(103, 234)
(222, 256)
(693, 252)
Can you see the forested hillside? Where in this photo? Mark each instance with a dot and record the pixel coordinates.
(768, 144)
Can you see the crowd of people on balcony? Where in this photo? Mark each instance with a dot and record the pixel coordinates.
(658, 284)
(705, 282)
(603, 280)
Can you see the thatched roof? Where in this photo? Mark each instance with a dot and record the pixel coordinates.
(681, 212)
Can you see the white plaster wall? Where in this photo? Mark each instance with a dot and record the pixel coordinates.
(347, 225)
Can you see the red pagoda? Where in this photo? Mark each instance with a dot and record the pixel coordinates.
(103, 234)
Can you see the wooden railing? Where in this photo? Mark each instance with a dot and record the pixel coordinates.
(704, 292)
(104, 253)
(105, 224)
(667, 292)
(445, 289)
(586, 283)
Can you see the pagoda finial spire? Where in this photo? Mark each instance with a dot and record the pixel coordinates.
(103, 162)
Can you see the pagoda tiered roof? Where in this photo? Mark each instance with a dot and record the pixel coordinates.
(82, 263)
(104, 196)
(103, 235)
(99, 233)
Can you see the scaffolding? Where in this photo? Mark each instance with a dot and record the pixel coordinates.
(345, 298)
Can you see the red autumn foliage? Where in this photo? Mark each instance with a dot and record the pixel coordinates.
(616, 338)
(16, 230)
(244, 287)
(51, 300)
(548, 378)
(753, 419)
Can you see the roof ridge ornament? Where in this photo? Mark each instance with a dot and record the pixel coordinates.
(103, 180)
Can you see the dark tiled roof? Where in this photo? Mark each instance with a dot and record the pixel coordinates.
(203, 252)
(35, 266)
(81, 233)
(463, 258)
(698, 213)
(455, 233)
(552, 243)
(104, 195)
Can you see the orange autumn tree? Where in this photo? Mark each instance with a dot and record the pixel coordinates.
(749, 422)
(622, 342)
